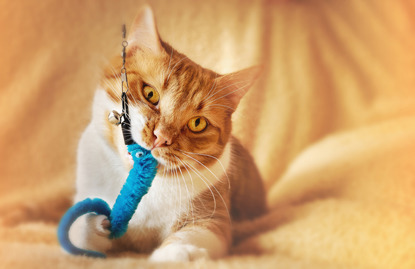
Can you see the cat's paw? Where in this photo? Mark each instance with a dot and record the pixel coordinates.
(91, 232)
(178, 253)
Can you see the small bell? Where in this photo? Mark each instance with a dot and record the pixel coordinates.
(114, 117)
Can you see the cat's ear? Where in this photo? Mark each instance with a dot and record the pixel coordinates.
(237, 84)
(143, 32)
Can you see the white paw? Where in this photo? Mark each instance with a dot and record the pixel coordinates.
(179, 253)
(91, 232)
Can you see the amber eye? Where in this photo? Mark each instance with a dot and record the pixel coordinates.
(197, 124)
(151, 95)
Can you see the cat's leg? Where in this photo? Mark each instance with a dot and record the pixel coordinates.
(91, 231)
(96, 178)
(192, 243)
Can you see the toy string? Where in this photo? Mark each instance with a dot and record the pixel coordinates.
(125, 124)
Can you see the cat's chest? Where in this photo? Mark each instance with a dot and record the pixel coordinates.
(160, 209)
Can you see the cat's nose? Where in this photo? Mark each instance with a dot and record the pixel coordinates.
(162, 139)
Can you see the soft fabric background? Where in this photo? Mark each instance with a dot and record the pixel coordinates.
(331, 122)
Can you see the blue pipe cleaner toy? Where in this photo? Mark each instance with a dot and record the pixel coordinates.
(136, 186)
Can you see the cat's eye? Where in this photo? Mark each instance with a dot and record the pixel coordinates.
(197, 124)
(151, 95)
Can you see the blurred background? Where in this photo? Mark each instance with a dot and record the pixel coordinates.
(329, 67)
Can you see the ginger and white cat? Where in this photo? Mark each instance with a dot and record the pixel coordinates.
(182, 112)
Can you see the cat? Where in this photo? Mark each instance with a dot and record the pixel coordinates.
(181, 112)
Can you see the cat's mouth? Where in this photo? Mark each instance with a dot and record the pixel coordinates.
(170, 160)
(164, 157)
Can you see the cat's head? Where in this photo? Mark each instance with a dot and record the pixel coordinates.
(178, 109)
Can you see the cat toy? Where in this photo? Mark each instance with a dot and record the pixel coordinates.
(135, 187)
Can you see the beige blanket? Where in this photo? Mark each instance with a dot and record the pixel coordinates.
(331, 122)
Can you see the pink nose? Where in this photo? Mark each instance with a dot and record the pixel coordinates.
(162, 139)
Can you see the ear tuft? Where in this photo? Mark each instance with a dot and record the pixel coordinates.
(143, 32)
(238, 83)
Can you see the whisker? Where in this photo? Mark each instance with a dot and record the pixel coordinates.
(165, 169)
(220, 195)
(176, 176)
(217, 159)
(189, 196)
(229, 93)
(202, 202)
(116, 74)
(112, 87)
(212, 88)
(173, 189)
(223, 88)
(207, 185)
(193, 188)
(221, 106)
(217, 178)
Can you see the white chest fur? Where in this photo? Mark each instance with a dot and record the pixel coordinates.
(160, 208)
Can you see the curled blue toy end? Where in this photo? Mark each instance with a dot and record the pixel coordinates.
(88, 205)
